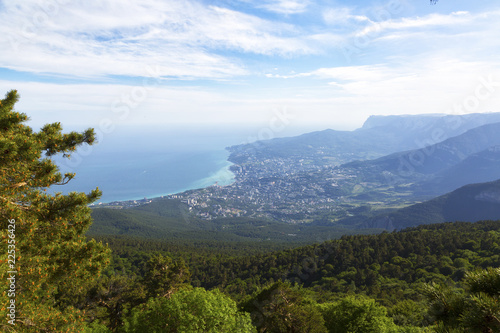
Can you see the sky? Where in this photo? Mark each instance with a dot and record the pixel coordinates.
(275, 64)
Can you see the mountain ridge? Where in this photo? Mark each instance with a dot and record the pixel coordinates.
(379, 136)
(469, 203)
(432, 159)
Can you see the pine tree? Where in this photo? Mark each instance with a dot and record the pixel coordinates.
(475, 310)
(281, 308)
(54, 263)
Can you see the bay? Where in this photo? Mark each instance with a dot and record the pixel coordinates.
(147, 164)
(132, 163)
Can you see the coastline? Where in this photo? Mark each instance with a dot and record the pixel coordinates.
(222, 177)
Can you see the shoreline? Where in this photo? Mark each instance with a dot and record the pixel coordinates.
(222, 177)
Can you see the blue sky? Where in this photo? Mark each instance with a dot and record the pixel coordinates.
(316, 64)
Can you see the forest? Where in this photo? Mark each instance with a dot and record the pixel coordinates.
(392, 270)
(431, 278)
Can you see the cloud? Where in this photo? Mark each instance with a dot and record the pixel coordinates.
(101, 38)
(341, 16)
(410, 64)
(432, 20)
(285, 6)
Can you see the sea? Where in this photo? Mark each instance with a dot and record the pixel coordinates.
(133, 163)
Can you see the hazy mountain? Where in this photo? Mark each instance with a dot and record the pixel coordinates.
(418, 131)
(283, 179)
(424, 163)
(477, 168)
(379, 136)
(469, 203)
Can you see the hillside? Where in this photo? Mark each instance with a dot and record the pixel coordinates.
(430, 160)
(476, 168)
(170, 220)
(390, 267)
(470, 203)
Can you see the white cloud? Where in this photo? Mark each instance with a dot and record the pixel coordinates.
(99, 38)
(285, 6)
(355, 73)
(432, 20)
(432, 85)
(341, 16)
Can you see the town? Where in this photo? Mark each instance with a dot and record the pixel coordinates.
(288, 189)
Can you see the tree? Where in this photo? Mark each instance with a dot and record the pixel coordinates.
(475, 310)
(54, 263)
(408, 313)
(356, 314)
(112, 297)
(162, 277)
(281, 308)
(195, 310)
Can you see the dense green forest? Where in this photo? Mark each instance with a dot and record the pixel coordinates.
(392, 270)
(169, 219)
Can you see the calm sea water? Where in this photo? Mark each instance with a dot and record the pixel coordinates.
(131, 164)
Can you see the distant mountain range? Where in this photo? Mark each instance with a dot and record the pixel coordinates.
(426, 156)
(457, 161)
(476, 168)
(379, 136)
(469, 203)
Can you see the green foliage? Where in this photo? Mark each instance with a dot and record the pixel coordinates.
(163, 276)
(356, 314)
(280, 308)
(190, 311)
(408, 313)
(389, 267)
(112, 297)
(55, 264)
(96, 328)
(476, 310)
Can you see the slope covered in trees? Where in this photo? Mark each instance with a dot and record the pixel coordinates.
(391, 269)
(472, 203)
(170, 219)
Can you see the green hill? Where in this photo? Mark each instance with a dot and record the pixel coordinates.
(171, 220)
(477, 168)
(469, 203)
(425, 162)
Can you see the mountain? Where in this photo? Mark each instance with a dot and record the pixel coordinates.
(291, 190)
(379, 136)
(477, 168)
(422, 164)
(469, 203)
(426, 130)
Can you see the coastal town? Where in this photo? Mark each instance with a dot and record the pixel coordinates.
(288, 189)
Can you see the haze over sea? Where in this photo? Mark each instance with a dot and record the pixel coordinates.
(128, 164)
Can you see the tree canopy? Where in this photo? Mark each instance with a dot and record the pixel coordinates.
(195, 310)
(44, 249)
